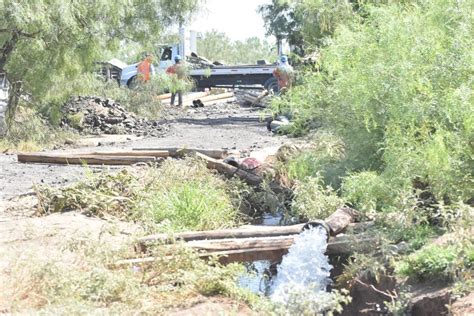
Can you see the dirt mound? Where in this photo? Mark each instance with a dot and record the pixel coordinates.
(95, 116)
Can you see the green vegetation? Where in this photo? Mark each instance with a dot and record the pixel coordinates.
(391, 97)
(437, 262)
(46, 47)
(89, 283)
(397, 91)
(314, 201)
(177, 196)
(30, 132)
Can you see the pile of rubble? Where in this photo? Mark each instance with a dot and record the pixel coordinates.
(95, 116)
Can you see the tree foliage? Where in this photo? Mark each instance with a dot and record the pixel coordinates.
(52, 42)
(217, 46)
(397, 87)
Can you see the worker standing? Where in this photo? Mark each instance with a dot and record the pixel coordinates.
(178, 72)
(284, 74)
(145, 69)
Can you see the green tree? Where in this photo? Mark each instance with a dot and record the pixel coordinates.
(282, 21)
(49, 43)
(217, 46)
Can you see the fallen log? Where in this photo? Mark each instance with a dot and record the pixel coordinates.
(132, 153)
(225, 168)
(340, 219)
(78, 159)
(283, 242)
(181, 151)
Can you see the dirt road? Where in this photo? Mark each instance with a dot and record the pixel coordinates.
(218, 126)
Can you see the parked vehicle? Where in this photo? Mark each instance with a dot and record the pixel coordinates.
(207, 74)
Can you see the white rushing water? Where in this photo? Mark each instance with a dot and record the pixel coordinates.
(303, 274)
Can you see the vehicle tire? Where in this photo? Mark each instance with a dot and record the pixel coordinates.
(271, 85)
(132, 83)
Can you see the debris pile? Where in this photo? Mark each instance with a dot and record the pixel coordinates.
(257, 98)
(95, 116)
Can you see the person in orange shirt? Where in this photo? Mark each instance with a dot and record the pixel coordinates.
(177, 70)
(284, 74)
(145, 69)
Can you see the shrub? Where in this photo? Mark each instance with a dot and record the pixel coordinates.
(324, 158)
(436, 262)
(367, 192)
(312, 200)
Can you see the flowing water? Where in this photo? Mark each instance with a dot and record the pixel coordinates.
(302, 276)
(304, 271)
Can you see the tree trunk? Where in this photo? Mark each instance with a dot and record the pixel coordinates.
(14, 93)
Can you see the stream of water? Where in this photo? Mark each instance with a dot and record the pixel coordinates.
(302, 277)
(304, 271)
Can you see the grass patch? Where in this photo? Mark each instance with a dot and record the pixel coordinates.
(79, 279)
(179, 195)
(437, 262)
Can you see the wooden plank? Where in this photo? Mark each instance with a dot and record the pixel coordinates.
(226, 100)
(242, 243)
(78, 159)
(164, 96)
(225, 168)
(219, 96)
(132, 153)
(246, 232)
(181, 151)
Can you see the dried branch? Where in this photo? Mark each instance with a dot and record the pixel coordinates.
(393, 296)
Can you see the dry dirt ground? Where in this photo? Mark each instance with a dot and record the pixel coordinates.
(221, 126)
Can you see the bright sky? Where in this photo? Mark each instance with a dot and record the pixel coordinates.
(237, 18)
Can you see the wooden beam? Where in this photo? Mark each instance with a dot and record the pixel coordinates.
(164, 96)
(225, 168)
(181, 151)
(78, 159)
(132, 153)
(226, 100)
(214, 97)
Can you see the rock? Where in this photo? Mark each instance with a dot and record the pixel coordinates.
(276, 125)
